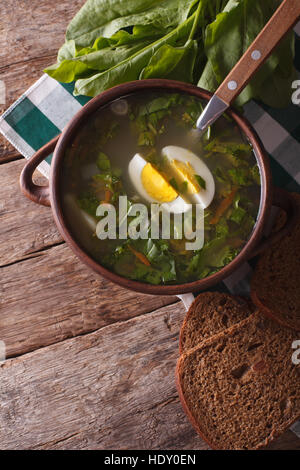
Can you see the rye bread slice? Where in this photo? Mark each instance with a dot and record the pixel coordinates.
(209, 314)
(240, 388)
(275, 285)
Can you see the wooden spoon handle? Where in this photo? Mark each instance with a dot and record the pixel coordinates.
(284, 18)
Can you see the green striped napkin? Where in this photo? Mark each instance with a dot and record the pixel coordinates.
(38, 115)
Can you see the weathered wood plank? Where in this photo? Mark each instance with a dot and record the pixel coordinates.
(34, 28)
(25, 227)
(53, 296)
(112, 389)
(7, 151)
(31, 32)
(288, 441)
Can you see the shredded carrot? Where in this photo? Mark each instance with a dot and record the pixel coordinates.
(108, 195)
(225, 203)
(140, 256)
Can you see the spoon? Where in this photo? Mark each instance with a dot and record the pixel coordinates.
(284, 18)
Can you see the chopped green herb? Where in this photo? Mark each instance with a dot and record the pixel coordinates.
(237, 215)
(200, 181)
(103, 162)
(146, 139)
(255, 174)
(240, 176)
(89, 203)
(184, 187)
(173, 183)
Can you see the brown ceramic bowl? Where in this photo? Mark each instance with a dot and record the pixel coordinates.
(50, 195)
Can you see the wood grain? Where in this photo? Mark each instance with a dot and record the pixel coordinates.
(288, 441)
(112, 389)
(52, 296)
(31, 33)
(7, 151)
(25, 227)
(33, 28)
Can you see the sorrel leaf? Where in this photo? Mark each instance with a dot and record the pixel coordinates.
(110, 42)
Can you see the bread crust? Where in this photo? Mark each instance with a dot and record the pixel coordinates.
(270, 314)
(179, 387)
(186, 408)
(229, 332)
(266, 261)
(203, 299)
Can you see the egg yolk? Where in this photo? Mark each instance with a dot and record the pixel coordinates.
(185, 173)
(156, 185)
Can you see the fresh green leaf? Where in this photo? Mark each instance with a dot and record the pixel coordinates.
(110, 42)
(234, 30)
(130, 68)
(175, 62)
(106, 17)
(67, 51)
(92, 62)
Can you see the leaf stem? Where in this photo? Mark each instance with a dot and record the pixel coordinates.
(196, 19)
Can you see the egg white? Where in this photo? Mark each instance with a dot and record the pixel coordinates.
(73, 207)
(135, 168)
(205, 196)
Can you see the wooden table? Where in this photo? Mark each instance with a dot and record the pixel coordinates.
(90, 365)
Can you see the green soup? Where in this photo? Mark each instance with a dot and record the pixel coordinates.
(99, 168)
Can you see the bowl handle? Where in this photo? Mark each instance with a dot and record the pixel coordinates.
(38, 194)
(285, 201)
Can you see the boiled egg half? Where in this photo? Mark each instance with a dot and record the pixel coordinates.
(189, 170)
(192, 181)
(152, 186)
